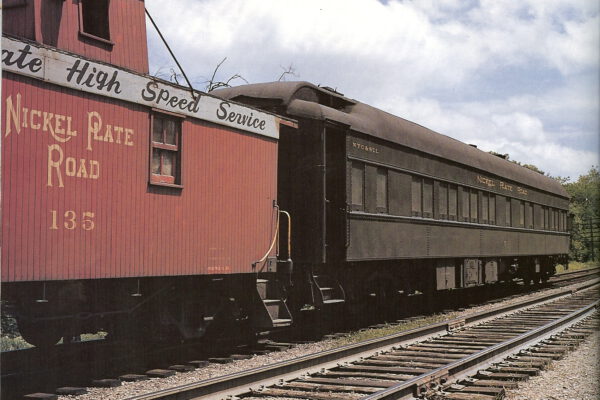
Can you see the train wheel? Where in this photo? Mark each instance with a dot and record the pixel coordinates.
(41, 335)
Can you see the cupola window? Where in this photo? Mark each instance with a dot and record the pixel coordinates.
(93, 16)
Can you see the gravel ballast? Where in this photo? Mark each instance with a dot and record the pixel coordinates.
(129, 389)
(575, 377)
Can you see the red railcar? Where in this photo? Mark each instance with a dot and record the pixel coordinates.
(124, 197)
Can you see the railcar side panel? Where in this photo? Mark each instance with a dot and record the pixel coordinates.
(370, 239)
(436, 208)
(557, 242)
(77, 202)
(374, 238)
(452, 241)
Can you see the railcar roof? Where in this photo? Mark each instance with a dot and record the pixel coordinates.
(303, 99)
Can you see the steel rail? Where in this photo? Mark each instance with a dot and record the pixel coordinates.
(239, 382)
(412, 387)
(572, 275)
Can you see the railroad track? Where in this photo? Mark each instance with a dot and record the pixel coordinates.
(574, 275)
(72, 364)
(409, 363)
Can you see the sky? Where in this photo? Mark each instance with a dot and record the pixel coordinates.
(516, 77)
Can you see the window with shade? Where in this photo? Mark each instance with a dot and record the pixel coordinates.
(521, 214)
(416, 192)
(452, 202)
(529, 216)
(427, 198)
(165, 152)
(465, 205)
(485, 214)
(382, 190)
(473, 198)
(443, 201)
(357, 186)
(492, 209)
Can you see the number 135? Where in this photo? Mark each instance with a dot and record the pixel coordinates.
(70, 221)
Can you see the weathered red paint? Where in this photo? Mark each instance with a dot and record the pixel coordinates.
(221, 221)
(57, 24)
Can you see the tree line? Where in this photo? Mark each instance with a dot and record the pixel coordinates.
(584, 209)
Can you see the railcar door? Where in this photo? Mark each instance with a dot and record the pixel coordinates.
(334, 143)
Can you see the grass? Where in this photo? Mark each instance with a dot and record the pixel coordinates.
(8, 343)
(577, 266)
(367, 334)
(355, 337)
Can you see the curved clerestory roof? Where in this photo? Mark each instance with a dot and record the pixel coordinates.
(303, 99)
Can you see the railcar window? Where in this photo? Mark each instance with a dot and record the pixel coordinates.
(546, 225)
(538, 216)
(427, 198)
(443, 200)
(416, 196)
(563, 218)
(529, 215)
(521, 214)
(465, 204)
(555, 212)
(382, 190)
(94, 18)
(452, 202)
(357, 185)
(560, 222)
(473, 198)
(508, 213)
(492, 209)
(165, 162)
(485, 215)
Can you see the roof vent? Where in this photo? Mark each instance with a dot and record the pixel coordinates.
(473, 145)
(325, 96)
(331, 90)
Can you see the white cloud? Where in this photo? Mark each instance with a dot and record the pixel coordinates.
(446, 64)
(494, 127)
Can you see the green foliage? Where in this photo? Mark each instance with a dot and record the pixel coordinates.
(533, 168)
(359, 336)
(528, 166)
(585, 210)
(576, 266)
